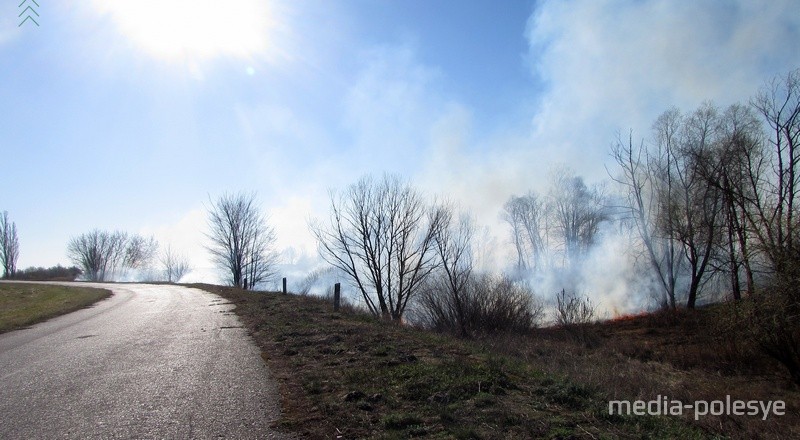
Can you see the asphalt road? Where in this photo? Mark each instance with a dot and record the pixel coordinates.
(149, 362)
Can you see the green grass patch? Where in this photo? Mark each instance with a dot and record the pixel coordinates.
(23, 304)
(401, 421)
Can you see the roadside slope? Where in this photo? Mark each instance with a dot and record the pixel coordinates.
(344, 374)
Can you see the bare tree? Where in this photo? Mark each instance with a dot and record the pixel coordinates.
(674, 198)
(9, 246)
(100, 254)
(773, 319)
(737, 156)
(175, 266)
(775, 205)
(96, 253)
(577, 212)
(661, 166)
(139, 252)
(512, 213)
(382, 236)
(642, 187)
(241, 240)
(563, 225)
(453, 244)
(527, 217)
(314, 277)
(695, 208)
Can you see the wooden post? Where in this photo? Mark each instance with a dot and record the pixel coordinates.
(337, 292)
(284, 285)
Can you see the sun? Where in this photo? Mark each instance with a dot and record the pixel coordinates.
(193, 30)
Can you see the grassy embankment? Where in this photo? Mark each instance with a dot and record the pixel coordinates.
(23, 304)
(344, 375)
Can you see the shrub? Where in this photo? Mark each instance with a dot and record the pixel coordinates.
(55, 273)
(572, 309)
(575, 313)
(772, 322)
(487, 304)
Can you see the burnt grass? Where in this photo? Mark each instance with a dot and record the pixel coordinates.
(346, 375)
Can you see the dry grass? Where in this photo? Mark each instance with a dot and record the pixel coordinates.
(685, 355)
(345, 375)
(23, 304)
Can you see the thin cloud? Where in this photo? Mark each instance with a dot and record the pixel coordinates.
(389, 109)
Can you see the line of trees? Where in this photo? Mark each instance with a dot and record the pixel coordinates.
(54, 273)
(713, 195)
(97, 255)
(242, 245)
(713, 198)
(412, 260)
(710, 198)
(672, 198)
(556, 230)
(102, 254)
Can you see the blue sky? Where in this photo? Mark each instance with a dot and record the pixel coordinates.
(130, 114)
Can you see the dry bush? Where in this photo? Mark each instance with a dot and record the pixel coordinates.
(572, 309)
(506, 306)
(771, 322)
(576, 313)
(488, 304)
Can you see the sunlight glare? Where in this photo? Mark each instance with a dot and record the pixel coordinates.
(193, 30)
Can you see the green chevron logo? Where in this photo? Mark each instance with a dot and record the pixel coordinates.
(28, 12)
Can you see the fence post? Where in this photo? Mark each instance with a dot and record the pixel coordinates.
(337, 292)
(284, 285)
